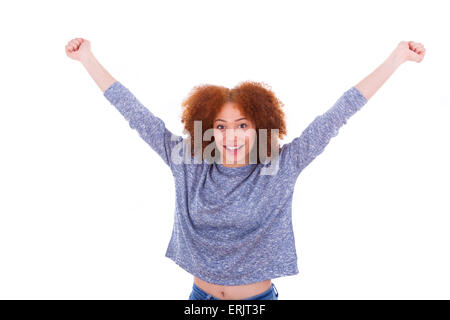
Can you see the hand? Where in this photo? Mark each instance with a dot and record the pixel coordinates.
(410, 51)
(78, 48)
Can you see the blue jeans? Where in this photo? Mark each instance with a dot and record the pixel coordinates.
(199, 294)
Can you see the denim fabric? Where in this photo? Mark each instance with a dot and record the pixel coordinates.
(199, 294)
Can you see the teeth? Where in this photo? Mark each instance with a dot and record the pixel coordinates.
(233, 148)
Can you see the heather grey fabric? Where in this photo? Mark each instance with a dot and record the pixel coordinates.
(233, 226)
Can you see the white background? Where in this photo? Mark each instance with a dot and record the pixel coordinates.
(86, 206)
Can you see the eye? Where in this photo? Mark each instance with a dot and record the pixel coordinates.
(244, 124)
(219, 126)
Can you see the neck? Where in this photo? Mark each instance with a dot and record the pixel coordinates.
(234, 164)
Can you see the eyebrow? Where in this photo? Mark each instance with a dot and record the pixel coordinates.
(227, 121)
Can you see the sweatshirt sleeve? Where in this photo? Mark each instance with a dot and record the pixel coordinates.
(149, 127)
(313, 140)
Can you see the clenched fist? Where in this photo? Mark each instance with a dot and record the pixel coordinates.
(410, 51)
(78, 48)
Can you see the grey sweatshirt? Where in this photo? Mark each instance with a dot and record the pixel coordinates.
(233, 226)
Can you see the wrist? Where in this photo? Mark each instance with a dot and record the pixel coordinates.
(86, 57)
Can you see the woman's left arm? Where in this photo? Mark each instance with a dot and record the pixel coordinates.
(405, 51)
(298, 153)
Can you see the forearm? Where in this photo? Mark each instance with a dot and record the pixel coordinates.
(150, 127)
(101, 77)
(370, 84)
(313, 140)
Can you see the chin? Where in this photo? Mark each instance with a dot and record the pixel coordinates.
(237, 161)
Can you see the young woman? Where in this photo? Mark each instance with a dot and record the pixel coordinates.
(232, 228)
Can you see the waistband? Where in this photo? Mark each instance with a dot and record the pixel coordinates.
(204, 295)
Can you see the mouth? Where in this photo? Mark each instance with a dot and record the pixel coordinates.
(233, 149)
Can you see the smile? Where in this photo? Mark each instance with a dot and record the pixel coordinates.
(234, 148)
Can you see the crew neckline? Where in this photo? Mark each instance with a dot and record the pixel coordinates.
(233, 170)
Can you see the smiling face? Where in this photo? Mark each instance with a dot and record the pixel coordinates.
(233, 136)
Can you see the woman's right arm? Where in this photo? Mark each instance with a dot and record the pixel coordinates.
(80, 49)
(150, 127)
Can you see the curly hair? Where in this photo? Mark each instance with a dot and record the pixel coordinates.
(255, 100)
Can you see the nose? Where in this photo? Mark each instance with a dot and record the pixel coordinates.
(237, 137)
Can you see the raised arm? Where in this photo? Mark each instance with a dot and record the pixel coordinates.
(313, 140)
(80, 49)
(405, 51)
(150, 127)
